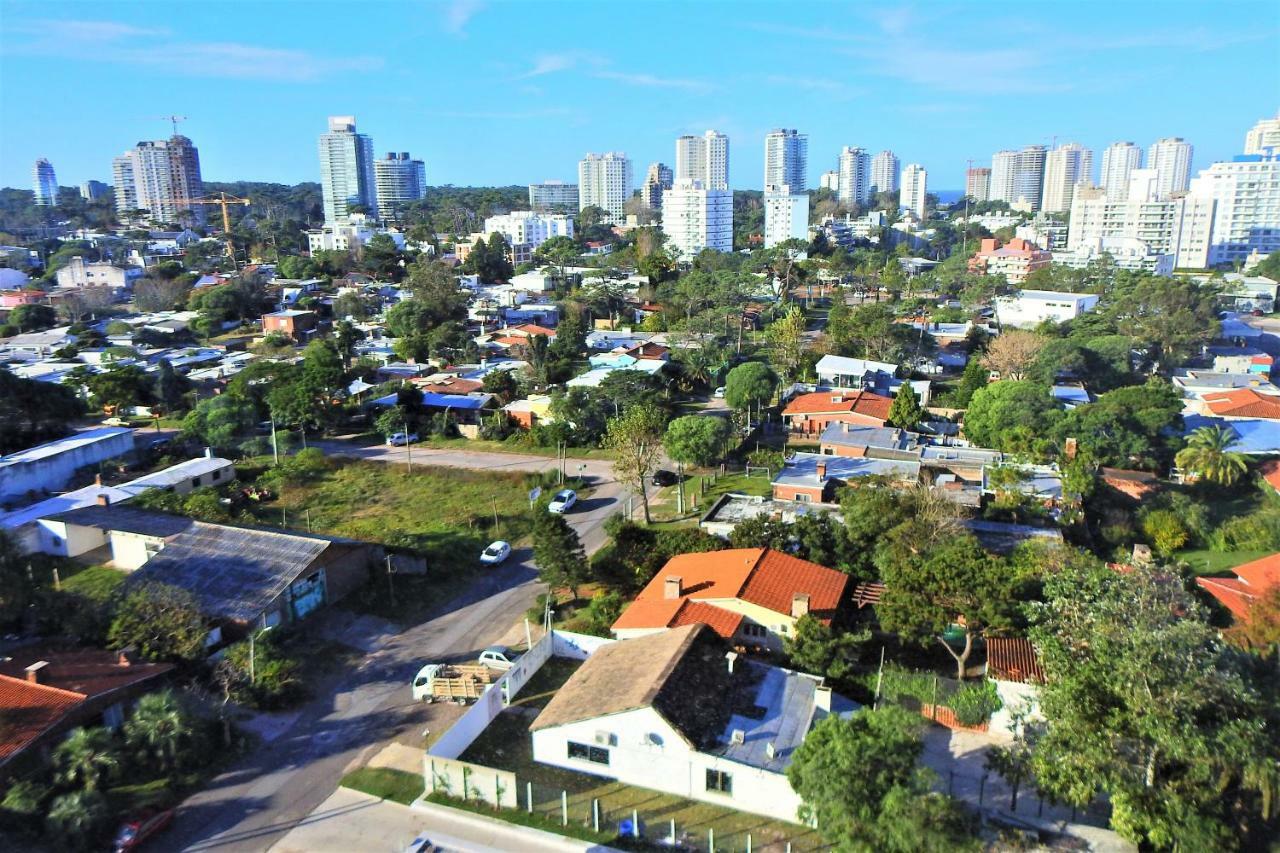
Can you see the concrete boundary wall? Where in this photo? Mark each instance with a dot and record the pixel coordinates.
(470, 782)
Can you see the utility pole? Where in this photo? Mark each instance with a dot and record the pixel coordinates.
(391, 587)
(495, 515)
(275, 447)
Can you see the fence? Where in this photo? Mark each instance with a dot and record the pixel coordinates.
(470, 782)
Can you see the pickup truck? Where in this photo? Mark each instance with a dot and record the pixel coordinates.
(460, 683)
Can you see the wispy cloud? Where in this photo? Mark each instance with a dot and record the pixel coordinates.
(653, 81)
(551, 63)
(458, 13)
(108, 41)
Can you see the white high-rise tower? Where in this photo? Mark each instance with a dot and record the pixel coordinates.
(1171, 158)
(398, 179)
(703, 158)
(346, 170)
(855, 176)
(44, 182)
(1065, 167)
(1004, 170)
(1119, 159)
(914, 187)
(884, 172)
(786, 159)
(604, 180)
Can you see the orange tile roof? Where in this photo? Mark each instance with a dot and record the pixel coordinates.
(723, 622)
(1234, 595)
(1013, 659)
(760, 576)
(1244, 403)
(30, 711)
(88, 672)
(827, 402)
(531, 329)
(1270, 471)
(1261, 574)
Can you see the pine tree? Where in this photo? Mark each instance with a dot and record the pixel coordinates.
(905, 412)
(561, 562)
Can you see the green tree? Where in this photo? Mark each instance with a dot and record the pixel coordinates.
(219, 421)
(558, 553)
(955, 584)
(160, 730)
(1172, 315)
(78, 820)
(119, 388)
(170, 387)
(33, 318)
(32, 411)
(161, 621)
(1133, 427)
(749, 384)
(820, 649)
(878, 335)
(1013, 416)
(694, 440)
(905, 412)
(87, 758)
(1144, 703)
(636, 440)
(380, 258)
(1208, 455)
(1165, 531)
(787, 342)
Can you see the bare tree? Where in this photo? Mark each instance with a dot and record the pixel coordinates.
(1012, 353)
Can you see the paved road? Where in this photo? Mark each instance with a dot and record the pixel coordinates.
(262, 797)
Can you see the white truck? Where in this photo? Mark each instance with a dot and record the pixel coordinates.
(444, 682)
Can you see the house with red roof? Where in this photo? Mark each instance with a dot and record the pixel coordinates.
(46, 691)
(1251, 581)
(1242, 403)
(809, 414)
(749, 596)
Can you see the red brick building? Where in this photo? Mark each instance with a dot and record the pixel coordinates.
(809, 414)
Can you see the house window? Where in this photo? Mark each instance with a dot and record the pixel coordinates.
(804, 498)
(583, 752)
(718, 780)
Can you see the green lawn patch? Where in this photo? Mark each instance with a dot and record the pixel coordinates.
(663, 501)
(93, 582)
(385, 783)
(1205, 562)
(480, 445)
(524, 818)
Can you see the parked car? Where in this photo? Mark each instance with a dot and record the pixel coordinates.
(563, 499)
(663, 477)
(499, 657)
(421, 844)
(135, 832)
(719, 395)
(116, 422)
(400, 439)
(495, 553)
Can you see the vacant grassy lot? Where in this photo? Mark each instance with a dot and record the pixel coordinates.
(1205, 562)
(395, 785)
(506, 744)
(662, 502)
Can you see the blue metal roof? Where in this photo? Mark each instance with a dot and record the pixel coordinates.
(1255, 435)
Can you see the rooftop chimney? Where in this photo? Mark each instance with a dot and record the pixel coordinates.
(822, 698)
(35, 672)
(822, 470)
(97, 479)
(799, 604)
(671, 587)
(208, 453)
(731, 657)
(126, 656)
(104, 500)
(1070, 447)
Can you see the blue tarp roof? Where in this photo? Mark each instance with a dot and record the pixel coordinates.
(441, 401)
(1255, 434)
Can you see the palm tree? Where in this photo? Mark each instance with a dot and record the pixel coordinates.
(86, 757)
(77, 819)
(159, 728)
(1208, 455)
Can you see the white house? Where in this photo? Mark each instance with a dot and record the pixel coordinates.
(837, 371)
(655, 712)
(1032, 307)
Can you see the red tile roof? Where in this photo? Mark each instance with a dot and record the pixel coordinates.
(868, 592)
(1243, 403)
(1270, 471)
(723, 622)
(647, 350)
(1260, 574)
(30, 710)
(530, 329)
(455, 385)
(1013, 659)
(827, 402)
(760, 576)
(1234, 594)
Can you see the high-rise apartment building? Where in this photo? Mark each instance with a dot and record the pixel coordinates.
(977, 184)
(1004, 171)
(786, 159)
(604, 180)
(1177, 227)
(1245, 193)
(855, 176)
(914, 187)
(1119, 159)
(884, 172)
(1263, 137)
(703, 158)
(347, 178)
(656, 180)
(829, 181)
(1065, 167)
(161, 177)
(45, 182)
(696, 218)
(554, 197)
(1171, 158)
(786, 216)
(398, 179)
(91, 190)
(1028, 180)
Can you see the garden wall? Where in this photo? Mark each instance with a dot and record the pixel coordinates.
(470, 781)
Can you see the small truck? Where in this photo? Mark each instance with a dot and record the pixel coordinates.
(445, 682)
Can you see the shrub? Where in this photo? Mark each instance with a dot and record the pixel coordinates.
(274, 683)
(78, 820)
(1259, 531)
(973, 704)
(24, 802)
(601, 613)
(1164, 530)
(303, 467)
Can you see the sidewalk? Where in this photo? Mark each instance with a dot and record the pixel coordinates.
(349, 820)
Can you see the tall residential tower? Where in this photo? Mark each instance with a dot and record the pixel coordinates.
(855, 176)
(884, 172)
(346, 170)
(703, 158)
(161, 177)
(786, 159)
(1119, 159)
(1171, 158)
(1065, 167)
(398, 179)
(604, 180)
(44, 182)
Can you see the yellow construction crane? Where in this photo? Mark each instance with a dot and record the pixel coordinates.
(222, 199)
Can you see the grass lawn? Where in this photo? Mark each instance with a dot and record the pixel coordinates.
(93, 582)
(662, 503)
(480, 445)
(1205, 562)
(386, 783)
(506, 744)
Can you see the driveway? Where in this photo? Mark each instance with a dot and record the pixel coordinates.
(265, 795)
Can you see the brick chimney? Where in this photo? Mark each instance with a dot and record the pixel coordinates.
(672, 587)
(104, 500)
(35, 672)
(127, 656)
(822, 470)
(799, 604)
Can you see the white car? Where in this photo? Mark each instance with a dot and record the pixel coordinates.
(399, 439)
(563, 499)
(495, 553)
(719, 395)
(499, 657)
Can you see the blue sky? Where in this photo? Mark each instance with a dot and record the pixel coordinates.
(503, 92)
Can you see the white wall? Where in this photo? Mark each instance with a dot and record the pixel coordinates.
(129, 551)
(1016, 697)
(644, 750)
(68, 540)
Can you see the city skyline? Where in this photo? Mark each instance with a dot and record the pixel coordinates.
(904, 74)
